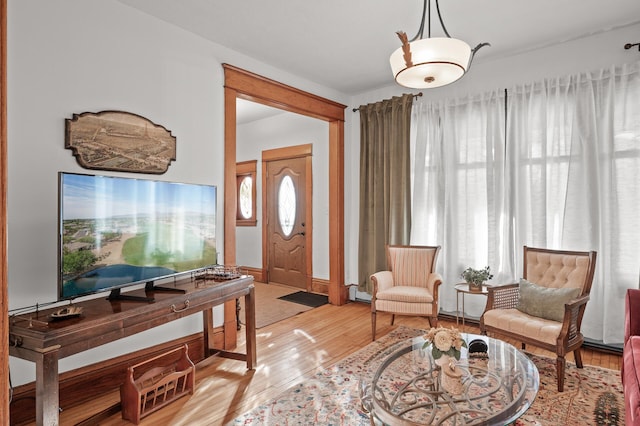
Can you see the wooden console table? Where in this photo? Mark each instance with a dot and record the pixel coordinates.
(35, 337)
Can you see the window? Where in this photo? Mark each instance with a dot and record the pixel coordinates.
(246, 193)
(286, 205)
(566, 178)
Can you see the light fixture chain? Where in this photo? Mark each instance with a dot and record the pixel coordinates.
(421, 29)
(429, 15)
(441, 22)
(427, 7)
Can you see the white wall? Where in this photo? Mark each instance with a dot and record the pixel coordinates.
(279, 131)
(589, 53)
(72, 56)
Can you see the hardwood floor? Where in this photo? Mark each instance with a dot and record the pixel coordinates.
(288, 351)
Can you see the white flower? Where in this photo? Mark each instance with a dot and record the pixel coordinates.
(458, 344)
(443, 340)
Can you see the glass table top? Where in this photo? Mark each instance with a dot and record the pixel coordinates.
(405, 387)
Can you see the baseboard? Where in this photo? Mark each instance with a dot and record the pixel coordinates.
(257, 273)
(318, 285)
(83, 384)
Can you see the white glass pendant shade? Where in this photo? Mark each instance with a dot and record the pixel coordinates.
(436, 62)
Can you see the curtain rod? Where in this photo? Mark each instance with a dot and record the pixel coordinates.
(417, 95)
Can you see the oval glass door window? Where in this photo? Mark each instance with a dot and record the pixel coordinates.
(246, 207)
(286, 205)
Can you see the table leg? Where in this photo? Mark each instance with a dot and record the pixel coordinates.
(457, 306)
(463, 311)
(238, 309)
(207, 330)
(250, 327)
(47, 388)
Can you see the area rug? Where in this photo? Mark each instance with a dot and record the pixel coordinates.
(592, 396)
(269, 307)
(305, 298)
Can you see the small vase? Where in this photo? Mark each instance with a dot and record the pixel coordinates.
(444, 361)
(451, 379)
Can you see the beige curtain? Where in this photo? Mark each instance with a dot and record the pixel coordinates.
(385, 186)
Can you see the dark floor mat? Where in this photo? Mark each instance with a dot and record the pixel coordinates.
(307, 299)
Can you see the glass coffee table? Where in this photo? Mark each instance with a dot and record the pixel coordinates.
(405, 387)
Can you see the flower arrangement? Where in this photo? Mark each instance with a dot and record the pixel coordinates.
(476, 277)
(444, 341)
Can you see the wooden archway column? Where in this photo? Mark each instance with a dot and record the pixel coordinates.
(4, 302)
(242, 84)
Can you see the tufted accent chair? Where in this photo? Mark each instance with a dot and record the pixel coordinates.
(409, 287)
(550, 269)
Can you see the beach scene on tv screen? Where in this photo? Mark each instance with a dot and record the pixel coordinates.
(116, 231)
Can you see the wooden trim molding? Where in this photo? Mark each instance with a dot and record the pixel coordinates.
(4, 292)
(230, 203)
(338, 294)
(258, 274)
(246, 85)
(320, 286)
(256, 88)
(246, 169)
(296, 151)
(309, 221)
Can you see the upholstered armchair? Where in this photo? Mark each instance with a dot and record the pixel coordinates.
(409, 287)
(545, 308)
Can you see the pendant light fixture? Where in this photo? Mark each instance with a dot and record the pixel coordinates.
(433, 61)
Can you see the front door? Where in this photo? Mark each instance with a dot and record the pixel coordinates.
(286, 227)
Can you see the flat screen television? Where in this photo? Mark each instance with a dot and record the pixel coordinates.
(116, 232)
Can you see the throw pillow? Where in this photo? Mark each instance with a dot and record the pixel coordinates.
(544, 302)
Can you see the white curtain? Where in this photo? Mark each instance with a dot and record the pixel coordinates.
(567, 176)
(458, 186)
(573, 147)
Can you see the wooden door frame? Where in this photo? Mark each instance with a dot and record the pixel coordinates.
(242, 84)
(4, 286)
(297, 151)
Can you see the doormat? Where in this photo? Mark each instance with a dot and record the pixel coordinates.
(307, 299)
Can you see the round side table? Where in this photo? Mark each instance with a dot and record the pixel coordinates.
(463, 288)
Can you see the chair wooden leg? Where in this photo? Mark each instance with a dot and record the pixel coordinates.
(560, 365)
(578, 356)
(393, 318)
(373, 326)
(433, 321)
(483, 329)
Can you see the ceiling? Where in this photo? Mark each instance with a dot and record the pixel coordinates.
(345, 44)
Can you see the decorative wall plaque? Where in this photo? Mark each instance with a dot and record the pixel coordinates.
(119, 141)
